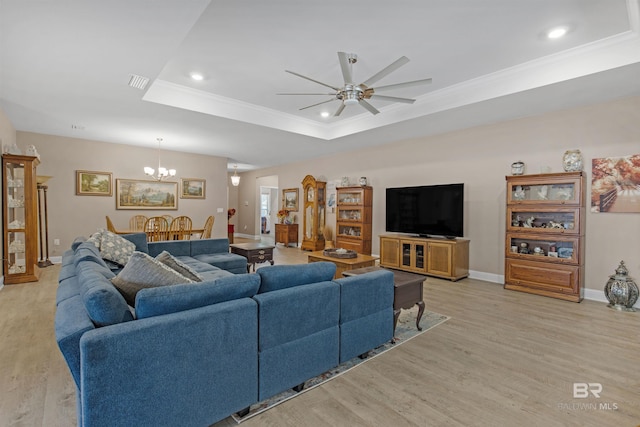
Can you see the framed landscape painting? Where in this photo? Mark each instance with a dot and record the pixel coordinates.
(290, 199)
(146, 195)
(192, 188)
(92, 183)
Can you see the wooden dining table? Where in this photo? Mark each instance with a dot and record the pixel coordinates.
(170, 233)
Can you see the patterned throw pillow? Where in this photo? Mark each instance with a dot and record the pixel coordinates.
(143, 271)
(170, 261)
(115, 248)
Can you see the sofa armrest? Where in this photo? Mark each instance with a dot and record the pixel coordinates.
(194, 367)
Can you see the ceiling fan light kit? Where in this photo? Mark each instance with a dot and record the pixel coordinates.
(351, 93)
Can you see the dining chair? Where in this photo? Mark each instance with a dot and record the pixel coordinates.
(157, 229)
(136, 223)
(208, 226)
(168, 217)
(110, 225)
(180, 228)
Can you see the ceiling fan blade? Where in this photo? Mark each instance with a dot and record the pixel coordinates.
(310, 79)
(386, 71)
(339, 110)
(346, 67)
(393, 99)
(369, 107)
(297, 93)
(402, 85)
(319, 103)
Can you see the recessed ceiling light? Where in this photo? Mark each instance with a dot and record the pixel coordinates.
(197, 76)
(325, 114)
(556, 33)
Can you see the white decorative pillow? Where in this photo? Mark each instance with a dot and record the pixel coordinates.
(143, 271)
(115, 248)
(170, 261)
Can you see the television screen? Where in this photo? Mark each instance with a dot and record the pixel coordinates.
(430, 210)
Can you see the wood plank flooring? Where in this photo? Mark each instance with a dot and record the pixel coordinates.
(504, 359)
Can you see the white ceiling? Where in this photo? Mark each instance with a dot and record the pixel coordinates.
(65, 67)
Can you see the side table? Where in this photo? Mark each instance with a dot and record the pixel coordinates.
(407, 291)
(255, 253)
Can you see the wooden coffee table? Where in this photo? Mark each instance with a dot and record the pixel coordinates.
(255, 253)
(343, 264)
(407, 291)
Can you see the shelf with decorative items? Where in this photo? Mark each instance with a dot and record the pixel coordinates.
(544, 246)
(354, 218)
(20, 218)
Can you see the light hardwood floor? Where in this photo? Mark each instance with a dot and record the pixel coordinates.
(503, 359)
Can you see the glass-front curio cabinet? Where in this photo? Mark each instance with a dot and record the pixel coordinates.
(353, 219)
(313, 214)
(20, 218)
(544, 247)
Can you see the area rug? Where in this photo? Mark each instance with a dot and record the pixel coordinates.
(405, 331)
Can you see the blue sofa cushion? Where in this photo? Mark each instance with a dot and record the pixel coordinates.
(138, 239)
(174, 247)
(227, 261)
(172, 262)
(87, 251)
(209, 246)
(197, 266)
(170, 299)
(366, 312)
(143, 271)
(286, 276)
(104, 304)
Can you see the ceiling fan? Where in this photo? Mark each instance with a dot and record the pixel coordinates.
(351, 93)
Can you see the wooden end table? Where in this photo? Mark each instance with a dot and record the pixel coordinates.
(407, 291)
(255, 253)
(343, 264)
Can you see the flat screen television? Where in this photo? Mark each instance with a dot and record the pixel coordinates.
(428, 210)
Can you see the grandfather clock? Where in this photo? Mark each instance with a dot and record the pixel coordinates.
(314, 198)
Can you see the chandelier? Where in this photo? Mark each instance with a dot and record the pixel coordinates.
(235, 178)
(162, 172)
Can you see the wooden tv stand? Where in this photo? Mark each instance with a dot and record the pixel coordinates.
(439, 257)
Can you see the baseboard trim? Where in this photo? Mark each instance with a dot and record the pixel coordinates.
(589, 294)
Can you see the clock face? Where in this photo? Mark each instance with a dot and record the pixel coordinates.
(310, 194)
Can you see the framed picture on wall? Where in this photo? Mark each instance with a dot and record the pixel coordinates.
(146, 195)
(93, 183)
(290, 199)
(192, 188)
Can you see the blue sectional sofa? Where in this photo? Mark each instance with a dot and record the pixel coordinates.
(193, 354)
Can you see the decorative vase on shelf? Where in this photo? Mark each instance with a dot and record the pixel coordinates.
(572, 161)
(517, 168)
(621, 290)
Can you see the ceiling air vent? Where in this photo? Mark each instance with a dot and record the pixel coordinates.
(138, 82)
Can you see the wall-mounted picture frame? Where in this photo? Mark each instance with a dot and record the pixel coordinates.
(192, 188)
(94, 183)
(290, 199)
(146, 195)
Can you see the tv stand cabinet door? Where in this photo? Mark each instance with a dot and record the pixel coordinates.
(389, 252)
(448, 259)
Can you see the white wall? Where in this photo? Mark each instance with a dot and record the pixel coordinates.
(481, 157)
(71, 215)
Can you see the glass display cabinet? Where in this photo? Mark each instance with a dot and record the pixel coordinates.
(353, 219)
(20, 218)
(544, 246)
(313, 214)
